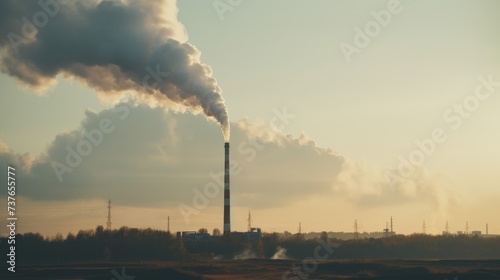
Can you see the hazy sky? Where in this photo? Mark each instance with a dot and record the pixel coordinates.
(433, 70)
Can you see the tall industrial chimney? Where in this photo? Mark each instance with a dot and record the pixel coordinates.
(227, 207)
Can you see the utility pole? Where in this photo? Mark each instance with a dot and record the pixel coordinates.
(108, 223)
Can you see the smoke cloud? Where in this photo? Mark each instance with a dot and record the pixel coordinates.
(111, 46)
(372, 186)
(245, 255)
(280, 254)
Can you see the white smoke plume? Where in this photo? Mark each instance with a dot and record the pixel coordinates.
(246, 254)
(280, 254)
(111, 46)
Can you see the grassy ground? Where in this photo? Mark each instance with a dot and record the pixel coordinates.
(265, 269)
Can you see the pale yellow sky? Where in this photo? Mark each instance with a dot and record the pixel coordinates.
(315, 214)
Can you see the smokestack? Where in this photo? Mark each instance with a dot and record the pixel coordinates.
(227, 206)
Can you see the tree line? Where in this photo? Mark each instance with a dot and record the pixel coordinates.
(148, 244)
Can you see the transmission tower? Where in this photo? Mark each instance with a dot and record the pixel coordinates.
(467, 227)
(168, 224)
(300, 228)
(249, 220)
(447, 228)
(424, 228)
(356, 233)
(108, 223)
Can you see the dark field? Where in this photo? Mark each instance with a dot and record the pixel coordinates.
(265, 269)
